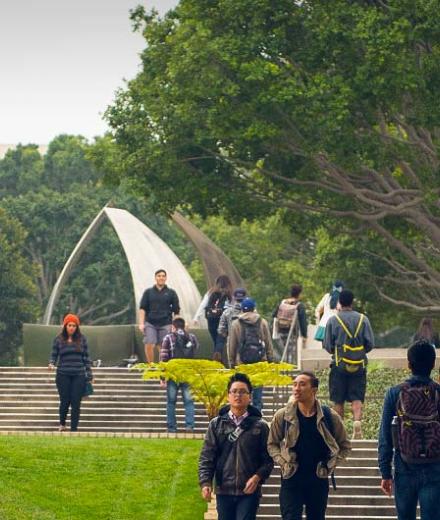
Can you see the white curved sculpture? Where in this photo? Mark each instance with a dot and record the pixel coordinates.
(145, 253)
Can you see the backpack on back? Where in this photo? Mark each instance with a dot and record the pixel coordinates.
(216, 305)
(286, 314)
(351, 356)
(252, 348)
(183, 347)
(418, 424)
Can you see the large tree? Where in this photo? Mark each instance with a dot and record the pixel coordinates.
(326, 110)
(17, 288)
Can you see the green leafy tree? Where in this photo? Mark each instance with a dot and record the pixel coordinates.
(17, 288)
(245, 106)
(208, 379)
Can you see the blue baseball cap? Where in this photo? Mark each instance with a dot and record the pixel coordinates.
(248, 304)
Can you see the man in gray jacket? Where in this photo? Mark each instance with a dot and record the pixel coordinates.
(250, 342)
(348, 338)
(235, 454)
(230, 314)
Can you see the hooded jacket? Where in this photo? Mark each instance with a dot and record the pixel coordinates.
(236, 336)
(284, 433)
(248, 456)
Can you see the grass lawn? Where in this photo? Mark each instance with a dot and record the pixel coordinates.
(70, 478)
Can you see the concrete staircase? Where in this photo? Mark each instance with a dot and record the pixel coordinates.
(122, 402)
(357, 497)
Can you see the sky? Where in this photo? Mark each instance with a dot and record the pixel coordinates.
(61, 62)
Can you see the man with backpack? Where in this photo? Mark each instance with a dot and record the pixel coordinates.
(234, 453)
(250, 342)
(179, 345)
(290, 321)
(348, 338)
(410, 430)
(307, 440)
(230, 314)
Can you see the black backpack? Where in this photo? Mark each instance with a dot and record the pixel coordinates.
(183, 347)
(216, 305)
(252, 348)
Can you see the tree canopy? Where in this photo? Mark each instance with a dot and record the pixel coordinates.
(17, 287)
(245, 106)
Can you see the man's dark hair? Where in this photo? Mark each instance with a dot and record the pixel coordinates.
(346, 298)
(160, 271)
(179, 323)
(295, 290)
(313, 379)
(240, 378)
(421, 358)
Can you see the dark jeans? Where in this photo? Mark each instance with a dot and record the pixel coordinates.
(71, 390)
(188, 403)
(212, 328)
(420, 485)
(298, 491)
(257, 397)
(237, 507)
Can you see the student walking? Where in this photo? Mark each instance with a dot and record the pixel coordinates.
(234, 454)
(307, 440)
(290, 321)
(70, 354)
(348, 338)
(410, 434)
(179, 345)
(229, 315)
(326, 308)
(157, 307)
(250, 342)
(426, 331)
(213, 304)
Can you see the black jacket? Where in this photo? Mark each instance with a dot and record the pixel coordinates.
(159, 306)
(248, 456)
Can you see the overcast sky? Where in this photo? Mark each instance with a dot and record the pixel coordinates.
(61, 62)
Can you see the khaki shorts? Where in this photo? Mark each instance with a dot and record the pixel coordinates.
(153, 335)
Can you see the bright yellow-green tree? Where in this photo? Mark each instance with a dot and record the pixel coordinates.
(208, 379)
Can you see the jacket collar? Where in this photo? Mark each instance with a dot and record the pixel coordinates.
(291, 416)
(251, 409)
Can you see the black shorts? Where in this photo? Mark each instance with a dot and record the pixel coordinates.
(347, 387)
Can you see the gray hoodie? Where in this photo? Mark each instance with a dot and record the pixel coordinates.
(235, 336)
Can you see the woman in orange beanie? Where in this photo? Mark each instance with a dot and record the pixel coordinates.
(71, 355)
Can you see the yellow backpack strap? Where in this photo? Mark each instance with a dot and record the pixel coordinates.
(349, 334)
(358, 328)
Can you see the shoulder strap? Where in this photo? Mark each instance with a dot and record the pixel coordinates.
(349, 334)
(328, 419)
(346, 330)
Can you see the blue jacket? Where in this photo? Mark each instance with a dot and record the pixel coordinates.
(385, 437)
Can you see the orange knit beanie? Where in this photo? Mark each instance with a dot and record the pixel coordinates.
(71, 318)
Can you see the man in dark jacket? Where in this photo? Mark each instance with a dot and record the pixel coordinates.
(158, 305)
(413, 482)
(348, 338)
(235, 454)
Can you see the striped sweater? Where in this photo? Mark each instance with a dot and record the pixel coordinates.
(70, 359)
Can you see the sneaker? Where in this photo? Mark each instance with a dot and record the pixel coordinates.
(357, 430)
(62, 428)
(172, 430)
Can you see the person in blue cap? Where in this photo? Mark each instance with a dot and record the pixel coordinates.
(250, 342)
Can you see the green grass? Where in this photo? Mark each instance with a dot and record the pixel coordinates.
(70, 478)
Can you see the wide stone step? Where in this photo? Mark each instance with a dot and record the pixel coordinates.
(349, 510)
